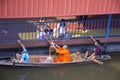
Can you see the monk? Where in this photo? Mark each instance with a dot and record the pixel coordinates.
(63, 52)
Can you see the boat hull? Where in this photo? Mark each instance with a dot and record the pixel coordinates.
(49, 64)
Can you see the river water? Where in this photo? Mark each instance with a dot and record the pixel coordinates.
(110, 70)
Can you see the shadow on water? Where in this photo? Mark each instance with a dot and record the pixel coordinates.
(109, 71)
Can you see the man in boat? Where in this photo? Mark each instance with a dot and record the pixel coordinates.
(63, 52)
(97, 50)
(24, 57)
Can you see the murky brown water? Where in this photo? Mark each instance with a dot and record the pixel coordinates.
(109, 71)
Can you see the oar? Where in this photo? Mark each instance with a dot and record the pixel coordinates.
(51, 39)
(52, 42)
(49, 43)
(47, 40)
(49, 57)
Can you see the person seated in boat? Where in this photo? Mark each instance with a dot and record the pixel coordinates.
(24, 57)
(63, 52)
(97, 50)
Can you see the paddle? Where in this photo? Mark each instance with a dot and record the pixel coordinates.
(50, 42)
(47, 40)
(51, 39)
(49, 58)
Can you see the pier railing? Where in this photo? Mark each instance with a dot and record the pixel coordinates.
(12, 31)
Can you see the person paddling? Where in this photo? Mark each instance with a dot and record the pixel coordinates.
(63, 52)
(24, 57)
(97, 51)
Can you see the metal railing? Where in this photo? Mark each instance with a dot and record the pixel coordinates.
(12, 31)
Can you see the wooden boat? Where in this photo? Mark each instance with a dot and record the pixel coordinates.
(37, 63)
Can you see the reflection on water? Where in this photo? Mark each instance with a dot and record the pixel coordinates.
(109, 71)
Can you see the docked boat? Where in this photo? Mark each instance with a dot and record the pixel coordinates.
(38, 61)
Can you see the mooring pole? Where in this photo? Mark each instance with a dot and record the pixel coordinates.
(108, 25)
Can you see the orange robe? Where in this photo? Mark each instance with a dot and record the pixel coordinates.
(64, 55)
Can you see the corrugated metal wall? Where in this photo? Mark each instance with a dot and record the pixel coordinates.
(50, 8)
